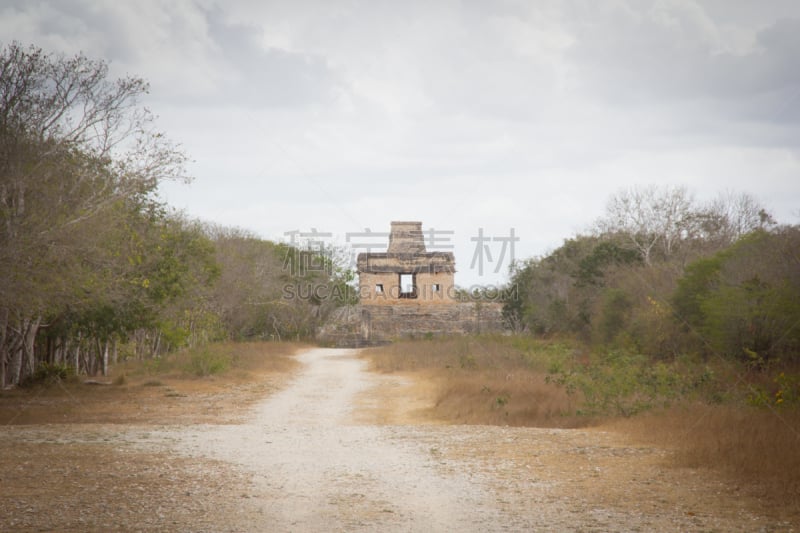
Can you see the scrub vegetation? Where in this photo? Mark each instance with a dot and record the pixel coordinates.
(212, 383)
(711, 413)
(677, 321)
(94, 268)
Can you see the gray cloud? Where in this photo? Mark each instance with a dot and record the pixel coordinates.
(674, 52)
(257, 76)
(192, 53)
(511, 113)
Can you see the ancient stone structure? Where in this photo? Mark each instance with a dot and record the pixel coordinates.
(406, 273)
(407, 292)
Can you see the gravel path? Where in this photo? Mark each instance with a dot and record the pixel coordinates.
(315, 468)
(316, 471)
(341, 449)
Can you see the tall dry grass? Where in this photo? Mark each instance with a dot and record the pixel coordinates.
(167, 390)
(234, 359)
(713, 423)
(758, 449)
(486, 379)
(259, 356)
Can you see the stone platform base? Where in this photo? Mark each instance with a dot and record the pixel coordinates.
(367, 325)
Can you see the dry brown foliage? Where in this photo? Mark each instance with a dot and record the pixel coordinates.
(491, 381)
(164, 391)
(482, 380)
(759, 449)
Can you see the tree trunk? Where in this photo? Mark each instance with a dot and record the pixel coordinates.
(76, 361)
(156, 344)
(63, 351)
(90, 359)
(3, 350)
(98, 358)
(29, 347)
(139, 339)
(15, 353)
(15, 363)
(105, 358)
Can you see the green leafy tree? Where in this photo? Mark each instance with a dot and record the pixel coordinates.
(73, 146)
(744, 302)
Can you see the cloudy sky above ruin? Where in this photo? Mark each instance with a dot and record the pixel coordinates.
(503, 115)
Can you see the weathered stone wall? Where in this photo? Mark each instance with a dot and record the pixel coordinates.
(388, 312)
(362, 325)
(390, 288)
(385, 323)
(379, 274)
(406, 238)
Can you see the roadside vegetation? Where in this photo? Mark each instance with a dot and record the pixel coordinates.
(95, 269)
(210, 383)
(710, 413)
(675, 320)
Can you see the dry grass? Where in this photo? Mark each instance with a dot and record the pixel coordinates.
(485, 380)
(164, 391)
(242, 359)
(519, 399)
(495, 380)
(758, 449)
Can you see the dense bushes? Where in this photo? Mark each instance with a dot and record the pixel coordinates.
(711, 317)
(93, 267)
(744, 302)
(733, 295)
(547, 382)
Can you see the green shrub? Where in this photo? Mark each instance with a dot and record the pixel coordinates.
(157, 365)
(207, 362)
(614, 315)
(620, 383)
(49, 373)
(782, 392)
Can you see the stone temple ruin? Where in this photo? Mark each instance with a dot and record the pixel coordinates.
(405, 292)
(406, 272)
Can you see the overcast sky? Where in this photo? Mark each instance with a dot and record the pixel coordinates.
(501, 115)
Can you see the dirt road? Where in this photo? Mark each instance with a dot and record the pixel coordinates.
(315, 470)
(340, 449)
(320, 463)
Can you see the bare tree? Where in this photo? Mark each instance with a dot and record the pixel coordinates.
(731, 215)
(650, 218)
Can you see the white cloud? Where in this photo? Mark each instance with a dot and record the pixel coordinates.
(345, 115)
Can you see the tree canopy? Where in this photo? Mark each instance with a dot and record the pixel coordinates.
(91, 262)
(664, 275)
